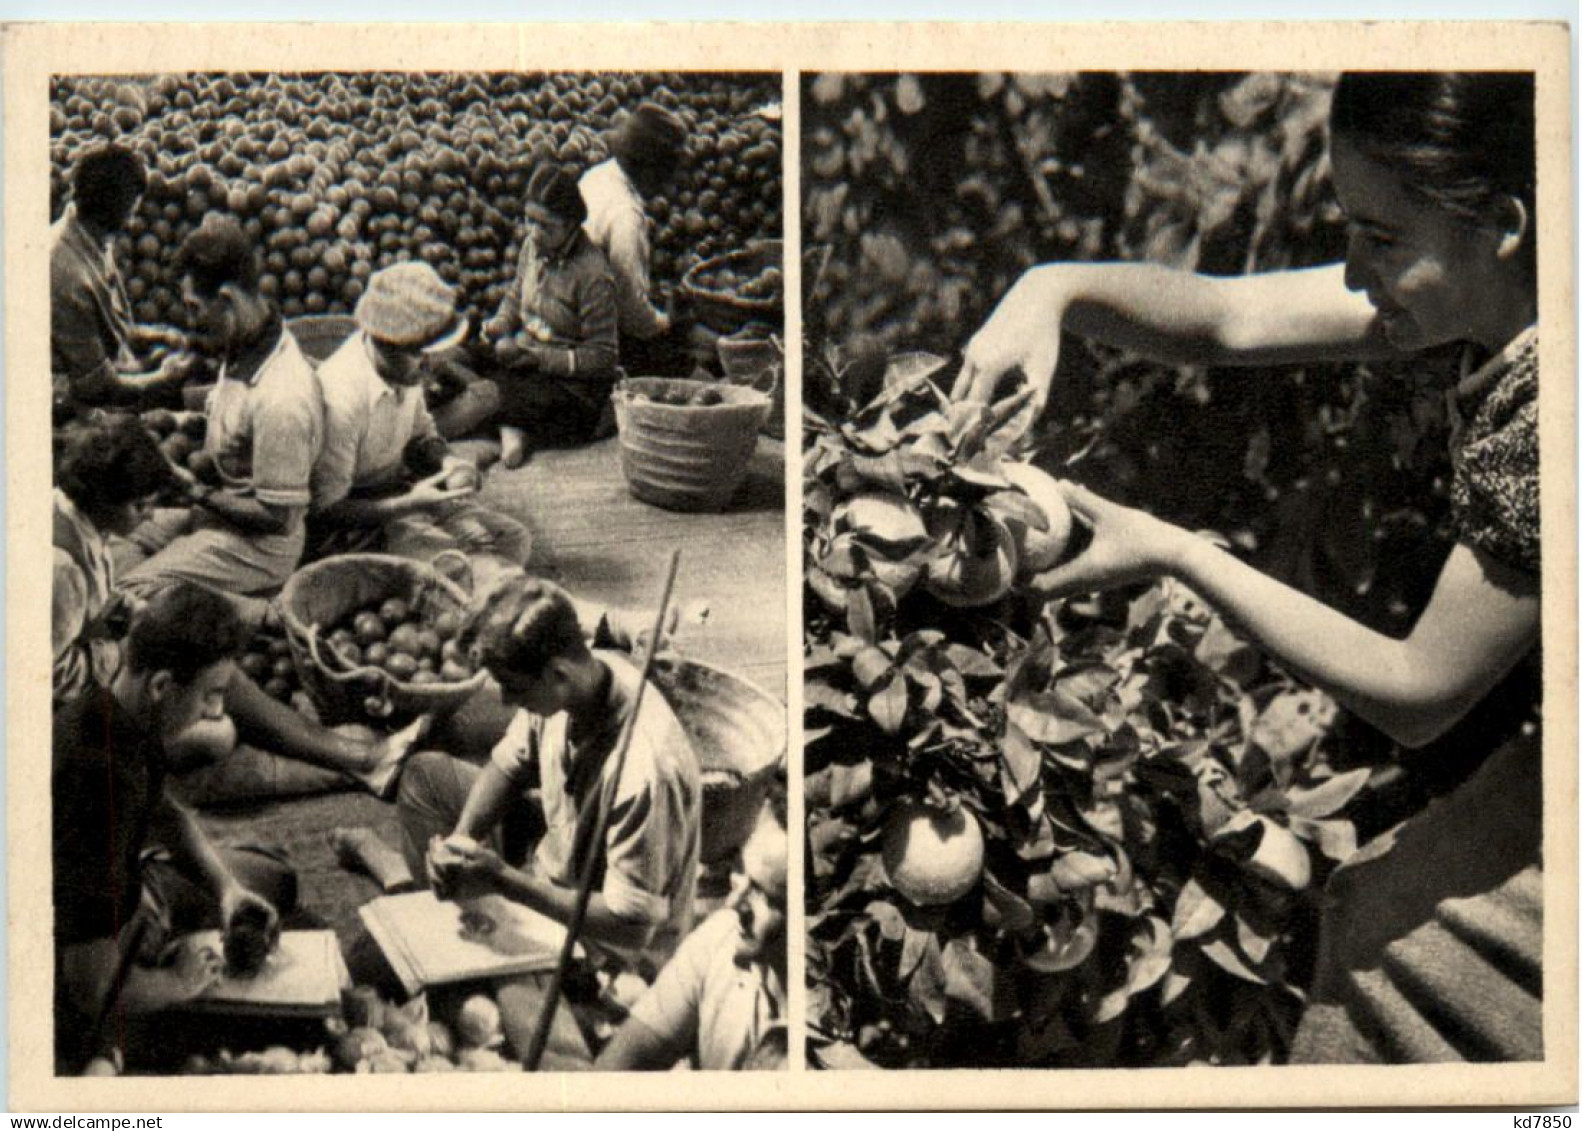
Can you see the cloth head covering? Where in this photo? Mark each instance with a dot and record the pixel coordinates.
(649, 136)
(408, 304)
(555, 189)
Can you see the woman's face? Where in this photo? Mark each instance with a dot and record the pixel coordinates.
(547, 230)
(1433, 277)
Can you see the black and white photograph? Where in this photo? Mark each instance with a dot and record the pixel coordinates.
(418, 604)
(1172, 569)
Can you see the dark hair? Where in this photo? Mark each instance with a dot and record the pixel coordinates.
(1460, 140)
(523, 624)
(106, 183)
(110, 463)
(184, 629)
(554, 187)
(218, 252)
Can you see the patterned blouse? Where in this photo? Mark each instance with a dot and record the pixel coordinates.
(1494, 453)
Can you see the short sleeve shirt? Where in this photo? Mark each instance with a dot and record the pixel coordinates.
(707, 1005)
(266, 427)
(367, 425)
(650, 850)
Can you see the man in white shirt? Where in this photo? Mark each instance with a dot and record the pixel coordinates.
(721, 1000)
(379, 436)
(647, 150)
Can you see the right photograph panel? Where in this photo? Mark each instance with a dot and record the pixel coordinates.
(1171, 559)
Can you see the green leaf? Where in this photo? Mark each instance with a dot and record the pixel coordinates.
(1175, 984)
(1228, 654)
(887, 916)
(1067, 944)
(850, 784)
(1023, 764)
(1335, 839)
(1052, 718)
(870, 666)
(888, 704)
(1016, 506)
(969, 979)
(1220, 953)
(1016, 915)
(1196, 912)
(972, 663)
(915, 945)
(820, 696)
(1328, 798)
(1254, 944)
(860, 616)
(927, 986)
(1079, 871)
(1148, 960)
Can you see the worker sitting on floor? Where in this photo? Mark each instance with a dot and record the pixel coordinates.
(720, 1003)
(243, 536)
(163, 712)
(379, 436)
(96, 350)
(458, 819)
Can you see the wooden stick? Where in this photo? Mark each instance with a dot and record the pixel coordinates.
(546, 1014)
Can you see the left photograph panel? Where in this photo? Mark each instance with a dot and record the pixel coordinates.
(419, 585)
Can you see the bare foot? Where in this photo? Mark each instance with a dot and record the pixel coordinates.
(381, 768)
(364, 849)
(513, 447)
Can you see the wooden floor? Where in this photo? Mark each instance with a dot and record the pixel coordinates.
(591, 536)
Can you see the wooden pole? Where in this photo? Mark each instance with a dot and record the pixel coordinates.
(546, 1014)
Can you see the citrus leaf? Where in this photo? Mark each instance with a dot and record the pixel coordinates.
(915, 945)
(1067, 944)
(1078, 871)
(870, 666)
(1052, 718)
(1220, 953)
(969, 979)
(1196, 912)
(971, 663)
(1335, 839)
(1329, 798)
(888, 705)
(1175, 984)
(927, 985)
(1111, 1005)
(820, 696)
(892, 925)
(1149, 959)
(1254, 944)
(860, 616)
(1016, 915)
(850, 784)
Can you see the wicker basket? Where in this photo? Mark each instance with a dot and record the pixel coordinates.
(320, 335)
(686, 457)
(739, 734)
(723, 311)
(322, 594)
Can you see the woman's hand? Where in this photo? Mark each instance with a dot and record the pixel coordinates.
(1023, 333)
(1127, 545)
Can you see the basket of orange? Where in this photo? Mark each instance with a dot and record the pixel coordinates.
(685, 444)
(375, 638)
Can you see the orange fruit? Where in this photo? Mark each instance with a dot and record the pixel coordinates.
(1039, 550)
(932, 856)
(976, 564)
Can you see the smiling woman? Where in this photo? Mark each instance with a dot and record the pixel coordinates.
(1077, 714)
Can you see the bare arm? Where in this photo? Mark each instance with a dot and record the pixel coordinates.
(1175, 317)
(601, 923)
(247, 513)
(1483, 617)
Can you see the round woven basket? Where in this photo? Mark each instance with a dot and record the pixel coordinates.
(724, 311)
(320, 595)
(738, 731)
(686, 457)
